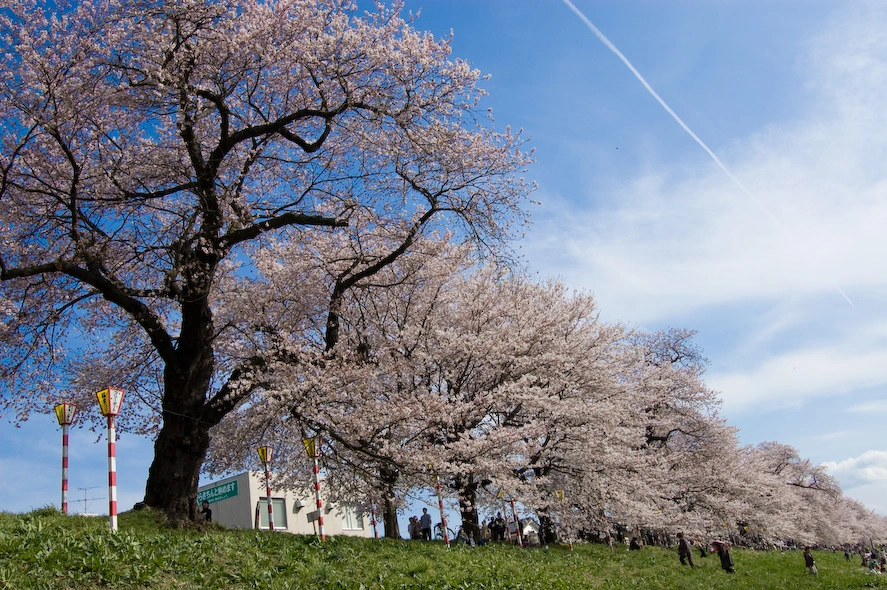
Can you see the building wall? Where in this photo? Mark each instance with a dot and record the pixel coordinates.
(233, 501)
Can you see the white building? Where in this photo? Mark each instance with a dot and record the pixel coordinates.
(240, 502)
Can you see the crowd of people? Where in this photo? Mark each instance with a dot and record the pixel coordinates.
(496, 529)
(875, 561)
(419, 527)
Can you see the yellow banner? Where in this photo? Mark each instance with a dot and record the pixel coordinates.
(559, 494)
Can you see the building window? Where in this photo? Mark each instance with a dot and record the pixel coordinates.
(278, 506)
(352, 520)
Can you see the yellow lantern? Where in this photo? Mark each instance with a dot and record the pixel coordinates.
(265, 454)
(110, 400)
(311, 446)
(65, 413)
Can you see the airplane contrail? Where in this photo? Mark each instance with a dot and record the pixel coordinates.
(684, 126)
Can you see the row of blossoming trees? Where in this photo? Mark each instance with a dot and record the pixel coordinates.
(498, 384)
(264, 219)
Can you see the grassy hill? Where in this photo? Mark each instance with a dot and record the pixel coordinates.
(44, 549)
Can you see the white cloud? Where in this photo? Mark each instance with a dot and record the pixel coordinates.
(870, 407)
(863, 478)
(870, 467)
(790, 379)
(833, 436)
(671, 249)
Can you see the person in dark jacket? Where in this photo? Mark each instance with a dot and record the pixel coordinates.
(498, 527)
(414, 528)
(684, 550)
(723, 550)
(206, 511)
(810, 563)
(425, 524)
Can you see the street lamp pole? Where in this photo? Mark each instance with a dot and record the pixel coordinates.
(65, 413)
(443, 517)
(313, 449)
(265, 456)
(110, 400)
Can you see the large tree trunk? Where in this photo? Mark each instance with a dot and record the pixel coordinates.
(467, 490)
(179, 452)
(183, 440)
(389, 514)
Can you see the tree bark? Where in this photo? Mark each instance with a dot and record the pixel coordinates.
(467, 491)
(389, 514)
(183, 440)
(179, 452)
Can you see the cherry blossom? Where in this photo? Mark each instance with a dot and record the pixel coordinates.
(148, 149)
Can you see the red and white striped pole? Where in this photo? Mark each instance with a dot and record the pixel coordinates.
(373, 519)
(64, 468)
(265, 456)
(112, 472)
(443, 519)
(65, 414)
(110, 400)
(312, 447)
(520, 535)
(268, 497)
(317, 498)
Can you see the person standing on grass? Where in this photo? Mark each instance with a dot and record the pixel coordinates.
(702, 552)
(425, 523)
(498, 527)
(684, 550)
(723, 550)
(414, 529)
(485, 534)
(810, 562)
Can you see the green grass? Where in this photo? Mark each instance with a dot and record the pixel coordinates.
(45, 549)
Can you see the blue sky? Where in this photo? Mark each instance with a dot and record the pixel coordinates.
(782, 271)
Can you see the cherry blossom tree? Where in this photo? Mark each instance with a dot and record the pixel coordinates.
(496, 383)
(152, 150)
(685, 441)
(862, 525)
(358, 396)
(439, 372)
(511, 359)
(788, 497)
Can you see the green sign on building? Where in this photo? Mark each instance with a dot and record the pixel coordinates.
(219, 492)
